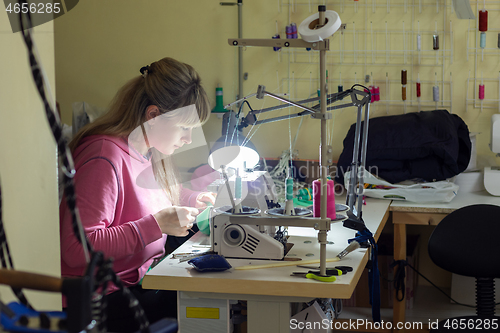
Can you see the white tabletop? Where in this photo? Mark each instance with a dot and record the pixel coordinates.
(171, 274)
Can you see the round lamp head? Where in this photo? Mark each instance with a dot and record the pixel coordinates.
(232, 154)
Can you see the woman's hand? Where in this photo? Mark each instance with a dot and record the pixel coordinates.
(176, 220)
(203, 198)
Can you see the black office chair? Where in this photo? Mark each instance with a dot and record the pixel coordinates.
(467, 242)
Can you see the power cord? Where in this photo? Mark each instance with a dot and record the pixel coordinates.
(399, 284)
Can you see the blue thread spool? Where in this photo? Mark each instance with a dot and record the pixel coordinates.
(237, 187)
(482, 40)
(277, 36)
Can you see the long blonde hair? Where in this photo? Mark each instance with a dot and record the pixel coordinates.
(168, 84)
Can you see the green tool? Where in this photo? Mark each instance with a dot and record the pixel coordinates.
(314, 276)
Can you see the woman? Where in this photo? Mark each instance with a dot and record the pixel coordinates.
(128, 195)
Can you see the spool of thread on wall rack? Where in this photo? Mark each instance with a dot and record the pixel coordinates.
(419, 43)
(435, 94)
(482, 40)
(483, 20)
(330, 201)
(435, 42)
(372, 92)
(419, 93)
(276, 37)
(294, 31)
(403, 82)
(498, 42)
(481, 91)
(377, 93)
(340, 88)
(288, 30)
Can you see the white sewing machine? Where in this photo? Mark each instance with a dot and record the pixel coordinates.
(256, 232)
(244, 241)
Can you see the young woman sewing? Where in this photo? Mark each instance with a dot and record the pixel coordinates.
(128, 196)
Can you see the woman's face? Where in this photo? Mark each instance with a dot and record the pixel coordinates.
(169, 134)
(170, 131)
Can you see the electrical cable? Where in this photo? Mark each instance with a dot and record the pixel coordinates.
(399, 285)
(105, 266)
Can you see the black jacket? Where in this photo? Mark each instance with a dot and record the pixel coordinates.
(427, 145)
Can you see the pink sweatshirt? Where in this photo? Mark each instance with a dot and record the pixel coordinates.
(116, 199)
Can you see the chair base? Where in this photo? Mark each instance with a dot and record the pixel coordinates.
(468, 324)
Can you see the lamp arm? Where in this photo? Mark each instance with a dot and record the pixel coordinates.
(251, 119)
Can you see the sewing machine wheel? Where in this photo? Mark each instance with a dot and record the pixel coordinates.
(299, 211)
(229, 210)
(234, 235)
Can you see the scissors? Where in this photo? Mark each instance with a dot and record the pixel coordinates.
(315, 276)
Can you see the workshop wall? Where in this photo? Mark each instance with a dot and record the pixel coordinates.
(28, 163)
(102, 44)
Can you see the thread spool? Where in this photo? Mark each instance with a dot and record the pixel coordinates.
(403, 93)
(367, 78)
(340, 88)
(435, 42)
(403, 77)
(288, 30)
(372, 92)
(483, 20)
(377, 94)
(277, 36)
(294, 31)
(418, 89)
(237, 187)
(481, 91)
(368, 91)
(419, 43)
(289, 188)
(482, 40)
(498, 42)
(435, 94)
(330, 201)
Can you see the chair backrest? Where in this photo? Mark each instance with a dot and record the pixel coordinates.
(467, 242)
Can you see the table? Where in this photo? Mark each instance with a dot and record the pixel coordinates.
(405, 213)
(270, 291)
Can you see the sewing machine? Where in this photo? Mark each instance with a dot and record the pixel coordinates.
(257, 232)
(238, 240)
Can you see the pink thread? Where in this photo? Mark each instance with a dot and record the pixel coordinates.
(330, 201)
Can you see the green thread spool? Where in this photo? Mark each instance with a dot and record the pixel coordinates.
(219, 101)
(289, 189)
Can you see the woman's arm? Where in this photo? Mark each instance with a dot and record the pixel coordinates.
(98, 190)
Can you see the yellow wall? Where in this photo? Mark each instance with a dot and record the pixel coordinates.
(28, 163)
(102, 44)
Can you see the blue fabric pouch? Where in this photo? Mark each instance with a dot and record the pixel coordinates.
(210, 263)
